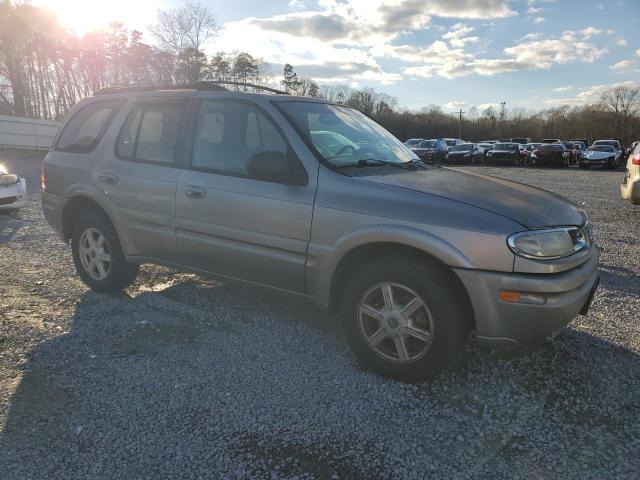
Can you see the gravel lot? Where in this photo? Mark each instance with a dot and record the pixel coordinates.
(194, 378)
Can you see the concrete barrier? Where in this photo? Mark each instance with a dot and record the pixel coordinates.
(28, 133)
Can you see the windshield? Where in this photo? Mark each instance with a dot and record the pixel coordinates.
(552, 146)
(601, 148)
(613, 143)
(506, 146)
(463, 147)
(428, 144)
(343, 136)
(450, 142)
(413, 142)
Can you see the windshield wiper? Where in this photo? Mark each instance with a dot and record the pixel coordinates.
(424, 163)
(376, 162)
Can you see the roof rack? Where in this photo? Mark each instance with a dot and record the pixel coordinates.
(208, 85)
(243, 84)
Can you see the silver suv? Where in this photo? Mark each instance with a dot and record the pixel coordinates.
(318, 200)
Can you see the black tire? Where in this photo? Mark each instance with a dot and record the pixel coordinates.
(120, 274)
(583, 166)
(439, 292)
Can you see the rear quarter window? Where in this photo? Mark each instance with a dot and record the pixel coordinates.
(85, 129)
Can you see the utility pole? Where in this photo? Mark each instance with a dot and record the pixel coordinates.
(460, 123)
(502, 108)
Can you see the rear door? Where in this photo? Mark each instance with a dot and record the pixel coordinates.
(229, 222)
(142, 174)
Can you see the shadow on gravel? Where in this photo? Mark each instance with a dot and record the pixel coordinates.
(10, 223)
(215, 381)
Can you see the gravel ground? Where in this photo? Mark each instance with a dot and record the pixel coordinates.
(193, 378)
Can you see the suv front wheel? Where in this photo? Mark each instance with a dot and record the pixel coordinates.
(98, 256)
(403, 318)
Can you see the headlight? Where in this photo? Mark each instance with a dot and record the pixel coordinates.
(533, 154)
(547, 244)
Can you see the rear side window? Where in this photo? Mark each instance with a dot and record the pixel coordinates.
(150, 133)
(85, 129)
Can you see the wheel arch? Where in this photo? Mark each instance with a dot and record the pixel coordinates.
(82, 201)
(366, 252)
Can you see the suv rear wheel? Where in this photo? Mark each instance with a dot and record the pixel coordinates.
(404, 319)
(98, 256)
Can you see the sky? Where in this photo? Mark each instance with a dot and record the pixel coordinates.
(454, 53)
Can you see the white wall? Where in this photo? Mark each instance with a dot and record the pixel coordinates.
(20, 132)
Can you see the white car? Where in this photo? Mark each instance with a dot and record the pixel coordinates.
(12, 190)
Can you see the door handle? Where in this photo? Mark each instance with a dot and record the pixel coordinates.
(108, 178)
(195, 192)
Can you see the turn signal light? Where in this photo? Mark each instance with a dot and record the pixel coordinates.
(506, 296)
(517, 297)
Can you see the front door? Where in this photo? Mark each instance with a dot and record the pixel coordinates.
(229, 222)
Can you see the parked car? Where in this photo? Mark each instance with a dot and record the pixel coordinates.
(465, 153)
(630, 188)
(615, 143)
(574, 152)
(528, 150)
(584, 142)
(433, 150)
(631, 148)
(452, 142)
(412, 257)
(504, 153)
(550, 154)
(13, 190)
(413, 142)
(521, 140)
(551, 140)
(603, 155)
(484, 148)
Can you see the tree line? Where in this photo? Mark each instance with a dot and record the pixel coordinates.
(45, 70)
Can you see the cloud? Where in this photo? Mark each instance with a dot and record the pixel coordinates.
(625, 66)
(544, 52)
(589, 94)
(538, 20)
(340, 39)
(589, 32)
(638, 52)
(459, 36)
(534, 10)
(532, 53)
(622, 42)
(484, 106)
(565, 88)
(455, 105)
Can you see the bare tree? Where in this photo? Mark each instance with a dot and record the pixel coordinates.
(189, 26)
(621, 104)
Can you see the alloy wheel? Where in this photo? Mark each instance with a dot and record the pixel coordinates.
(95, 255)
(395, 323)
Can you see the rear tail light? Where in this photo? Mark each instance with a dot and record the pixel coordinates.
(43, 178)
(635, 160)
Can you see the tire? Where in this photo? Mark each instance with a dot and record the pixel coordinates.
(442, 314)
(116, 274)
(583, 166)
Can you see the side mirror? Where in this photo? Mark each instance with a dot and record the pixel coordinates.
(278, 167)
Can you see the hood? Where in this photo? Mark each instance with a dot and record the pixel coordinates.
(598, 155)
(529, 206)
(504, 151)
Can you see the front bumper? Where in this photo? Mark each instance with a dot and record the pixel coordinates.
(13, 196)
(505, 324)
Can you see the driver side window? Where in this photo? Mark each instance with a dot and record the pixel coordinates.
(230, 133)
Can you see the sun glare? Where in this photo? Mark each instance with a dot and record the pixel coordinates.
(82, 16)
